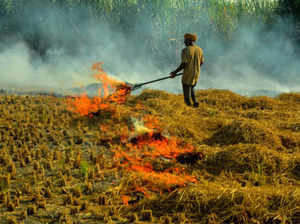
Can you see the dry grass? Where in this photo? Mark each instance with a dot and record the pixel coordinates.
(58, 167)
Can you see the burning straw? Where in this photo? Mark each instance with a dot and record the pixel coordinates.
(112, 91)
(151, 160)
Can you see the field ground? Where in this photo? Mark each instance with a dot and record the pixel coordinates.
(58, 167)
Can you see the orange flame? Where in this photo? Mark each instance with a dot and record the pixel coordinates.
(84, 105)
(138, 154)
(125, 199)
(147, 148)
(166, 147)
(121, 90)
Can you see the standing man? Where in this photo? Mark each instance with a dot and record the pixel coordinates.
(191, 60)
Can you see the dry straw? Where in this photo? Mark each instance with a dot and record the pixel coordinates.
(249, 173)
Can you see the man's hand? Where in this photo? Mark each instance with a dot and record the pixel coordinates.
(180, 67)
(172, 74)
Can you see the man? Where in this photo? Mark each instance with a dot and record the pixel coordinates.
(191, 60)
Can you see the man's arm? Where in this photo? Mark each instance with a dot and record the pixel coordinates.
(183, 63)
(202, 58)
(180, 67)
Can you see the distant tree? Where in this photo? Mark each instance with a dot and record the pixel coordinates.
(291, 9)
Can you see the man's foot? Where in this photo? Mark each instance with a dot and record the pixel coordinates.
(196, 104)
(188, 104)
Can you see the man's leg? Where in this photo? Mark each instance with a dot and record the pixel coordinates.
(186, 94)
(196, 104)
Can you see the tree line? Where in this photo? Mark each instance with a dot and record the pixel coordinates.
(155, 20)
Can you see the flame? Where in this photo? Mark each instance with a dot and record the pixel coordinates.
(125, 199)
(121, 90)
(163, 147)
(140, 151)
(149, 146)
(84, 105)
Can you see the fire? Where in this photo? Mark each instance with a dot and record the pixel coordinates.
(84, 105)
(125, 199)
(149, 147)
(120, 89)
(148, 157)
(162, 146)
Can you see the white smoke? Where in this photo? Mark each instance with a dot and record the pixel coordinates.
(256, 62)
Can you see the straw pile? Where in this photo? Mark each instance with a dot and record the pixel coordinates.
(57, 166)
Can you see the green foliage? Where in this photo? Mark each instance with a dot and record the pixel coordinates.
(158, 24)
(7, 4)
(166, 17)
(291, 9)
(84, 168)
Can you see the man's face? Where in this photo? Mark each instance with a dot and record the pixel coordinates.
(187, 42)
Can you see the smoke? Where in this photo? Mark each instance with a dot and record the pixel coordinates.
(258, 62)
(18, 71)
(54, 51)
(64, 47)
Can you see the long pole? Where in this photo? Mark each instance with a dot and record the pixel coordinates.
(136, 86)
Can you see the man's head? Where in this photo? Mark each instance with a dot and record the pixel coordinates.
(189, 39)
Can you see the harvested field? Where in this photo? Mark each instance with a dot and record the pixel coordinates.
(151, 159)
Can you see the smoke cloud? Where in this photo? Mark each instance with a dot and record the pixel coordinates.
(256, 62)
